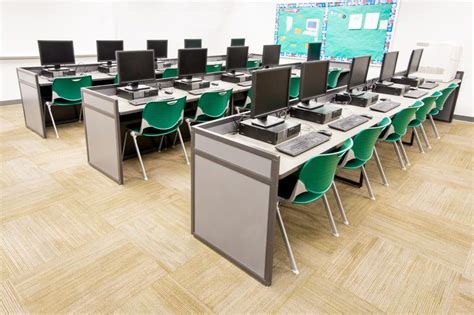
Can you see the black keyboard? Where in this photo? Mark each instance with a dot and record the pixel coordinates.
(302, 143)
(245, 83)
(415, 93)
(428, 85)
(348, 123)
(202, 91)
(384, 106)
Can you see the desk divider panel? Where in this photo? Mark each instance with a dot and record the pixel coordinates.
(234, 194)
(102, 126)
(31, 101)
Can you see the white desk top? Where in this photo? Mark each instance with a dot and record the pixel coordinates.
(96, 76)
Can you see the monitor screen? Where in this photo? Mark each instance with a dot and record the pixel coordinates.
(236, 58)
(192, 61)
(358, 73)
(106, 49)
(415, 59)
(192, 43)
(388, 66)
(237, 42)
(135, 65)
(314, 79)
(56, 52)
(159, 46)
(314, 51)
(271, 89)
(271, 55)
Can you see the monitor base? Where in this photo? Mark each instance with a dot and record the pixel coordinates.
(267, 121)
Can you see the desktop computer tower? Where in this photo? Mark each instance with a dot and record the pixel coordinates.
(56, 73)
(194, 85)
(321, 115)
(227, 77)
(107, 68)
(411, 81)
(141, 93)
(364, 100)
(392, 89)
(273, 135)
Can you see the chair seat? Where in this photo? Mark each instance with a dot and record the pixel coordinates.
(414, 123)
(354, 163)
(150, 131)
(434, 112)
(63, 102)
(393, 138)
(201, 118)
(307, 197)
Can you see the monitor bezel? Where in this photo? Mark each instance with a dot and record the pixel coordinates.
(349, 87)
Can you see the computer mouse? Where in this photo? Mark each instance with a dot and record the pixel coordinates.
(326, 132)
(168, 92)
(215, 83)
(384, 99)
(413, 88)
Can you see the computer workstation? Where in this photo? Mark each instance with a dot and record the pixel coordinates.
(236, 60)
(54, 56)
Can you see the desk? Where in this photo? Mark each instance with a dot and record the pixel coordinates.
(235, 185)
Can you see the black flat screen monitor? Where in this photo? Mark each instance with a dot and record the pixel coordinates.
(358, 73)
(237, 42)
(271, 55)
(192, 43)
(106, 50)
(192, 62)
(159, 46)
(314, 51)
(388, 66)
(56, 52)
(135, 66)
(314, 79)
(415, 59)
(236, 58)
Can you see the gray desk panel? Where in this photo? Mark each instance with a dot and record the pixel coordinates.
(31, 102)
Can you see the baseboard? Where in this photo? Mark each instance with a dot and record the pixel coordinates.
(10, 102)
(464, 118)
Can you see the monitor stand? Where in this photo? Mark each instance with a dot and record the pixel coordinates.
(356, 92)
(311, 104)
(267, 121)
(233, 73)
(385, 83)
(136, 87)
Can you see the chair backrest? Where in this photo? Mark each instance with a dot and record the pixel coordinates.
(69, 88)
(333, 76)
(318, 173)
(365, 140)
(427, 106)
(116, 79)
(445, 94)
(253, 64)
(214, 104)
(402, 119)
(163, 115)
(170, 73)
(295, 86)
(248, 99)
(214, 68)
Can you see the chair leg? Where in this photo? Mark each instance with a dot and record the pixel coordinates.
(405, 156)
(124, 143)
(339, 204)
(175, 138)
(402, 163)
(52, 120)
(425, 137)
(161, 143)
(331, 218)
(183, 147)
(80, 113)
(367, 182)
(418, 141)
(379, 166)
(434, 127)
(286, 241)
(139, 156)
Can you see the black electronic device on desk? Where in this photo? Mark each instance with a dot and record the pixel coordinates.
(106, 53)
(56, 53)
(413, 66)
(303, 143)
(136, 66)
(236, 59)
(384, 85)
(357, 80)
(160, 47)
(348, 123)
(237, 42)
(192, 43)
(270, 95)
(271, 55)
(191, 62)
(314, 51)
(385, 106)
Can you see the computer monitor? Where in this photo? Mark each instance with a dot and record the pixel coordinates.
(271, 91)
(236, 58)
(237, 42)
(192, 43)
(191, 62)
(314, 80)
(106, 50)
(56, 52)
(271, 55)
(358, 73)
(414, 62)
(159, 46)
(135, 66)
(314, 51)
(388, 66)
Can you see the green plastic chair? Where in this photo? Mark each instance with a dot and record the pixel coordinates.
(247, 104)
(399, 128)
(214, 68)
(67, 92)
(363, 150)
(440, 101)
(170, 73)
(310, 184)
(158, 119)
(333, 77)
(116, 79)
(420, 117)
(294, 87)
(252, 64)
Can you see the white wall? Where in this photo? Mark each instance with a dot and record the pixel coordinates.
(21, 24)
